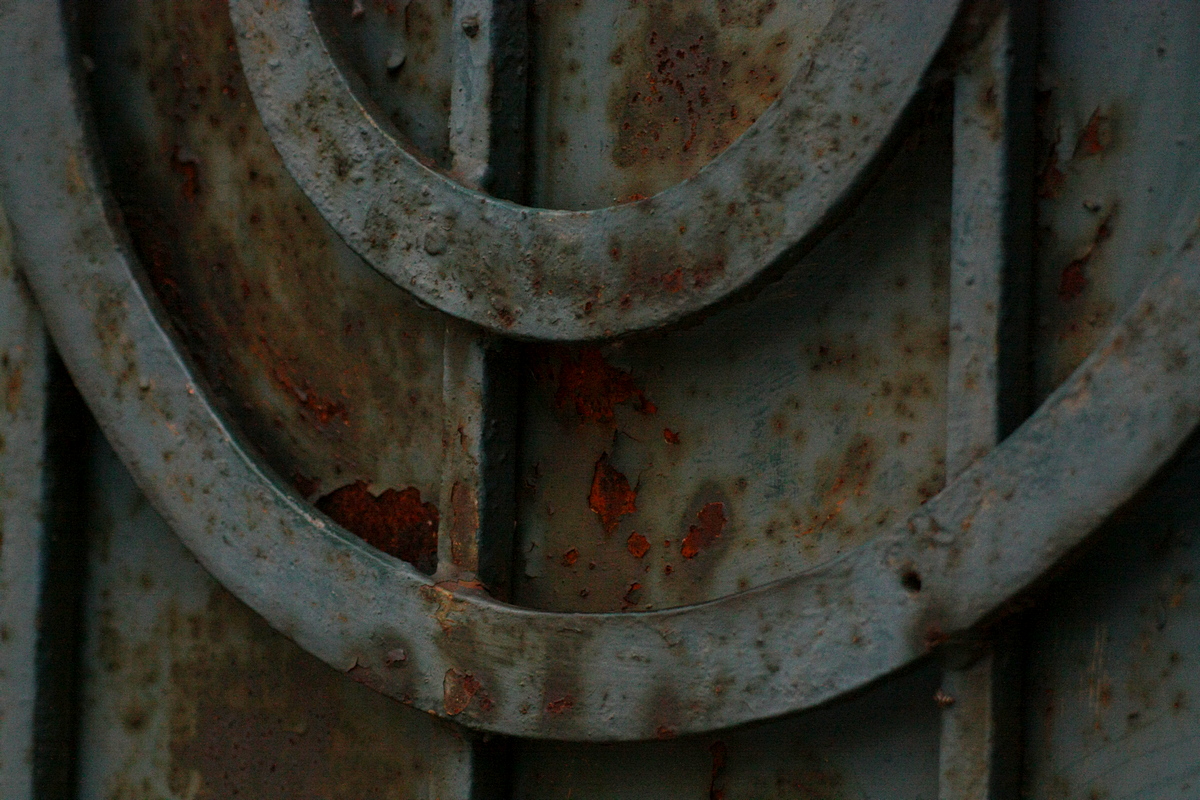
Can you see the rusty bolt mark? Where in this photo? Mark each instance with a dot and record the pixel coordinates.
(611, 496)
(470, 26)
(396, 522)
(637, 545)
(457, 690)
(570, 557)
(712, 521)
(564, 703)
(942, 699)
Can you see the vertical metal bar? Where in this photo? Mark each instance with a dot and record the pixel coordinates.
(41, 561)
(479, 383)
(24, 379)
(991, 229)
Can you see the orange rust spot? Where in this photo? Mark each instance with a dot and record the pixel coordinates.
(712, 522)
(630, 599)
(611, 496)
(664, 732)
(637, 545)
(457, 690)
(670, 436)
(1073, 279)
(594, 388)
(1096, 136)
(564, 703)
(570, 557)
(396, 522)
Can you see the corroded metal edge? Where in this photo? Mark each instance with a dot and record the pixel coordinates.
(761, 653)
(559, 275)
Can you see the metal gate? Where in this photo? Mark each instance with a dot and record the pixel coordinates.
(605, 398)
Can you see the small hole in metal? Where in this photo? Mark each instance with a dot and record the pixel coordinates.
(911, 580)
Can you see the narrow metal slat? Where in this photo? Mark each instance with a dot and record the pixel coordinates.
(479, 376)
(987, 393)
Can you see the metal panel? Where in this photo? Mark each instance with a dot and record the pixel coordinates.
(821, 460)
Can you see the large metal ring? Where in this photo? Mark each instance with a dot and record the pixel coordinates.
(565, 275)
(761, 653)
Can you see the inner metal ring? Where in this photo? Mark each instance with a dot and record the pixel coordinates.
(577, 275)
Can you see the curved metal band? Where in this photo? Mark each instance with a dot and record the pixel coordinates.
(761, 653)
(585, 275)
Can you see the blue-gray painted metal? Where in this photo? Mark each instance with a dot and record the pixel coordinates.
(561, 275)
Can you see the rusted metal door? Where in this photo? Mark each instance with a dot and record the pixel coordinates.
(607, 398)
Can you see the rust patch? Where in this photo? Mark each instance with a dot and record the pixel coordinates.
(611, 496)
(712, 521)
(562, 704)
(570, 557)
(664, 732)
(682, 100)
(670, 436)
(1073, 280)
(396, 522)
(632, 596)
(458, 688)
(1096, 137)
(464, 527)
(594, 388)
(637, 545)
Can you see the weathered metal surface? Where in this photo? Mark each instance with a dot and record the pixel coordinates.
(24, 383)
(1111, 694)
(402, 52)
(188, 693)
(1120, 167)
(629, 99)
(587, 275)
(829, 630)
(333, 374)
(839, 431)
(988, 371)
(882, 744)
